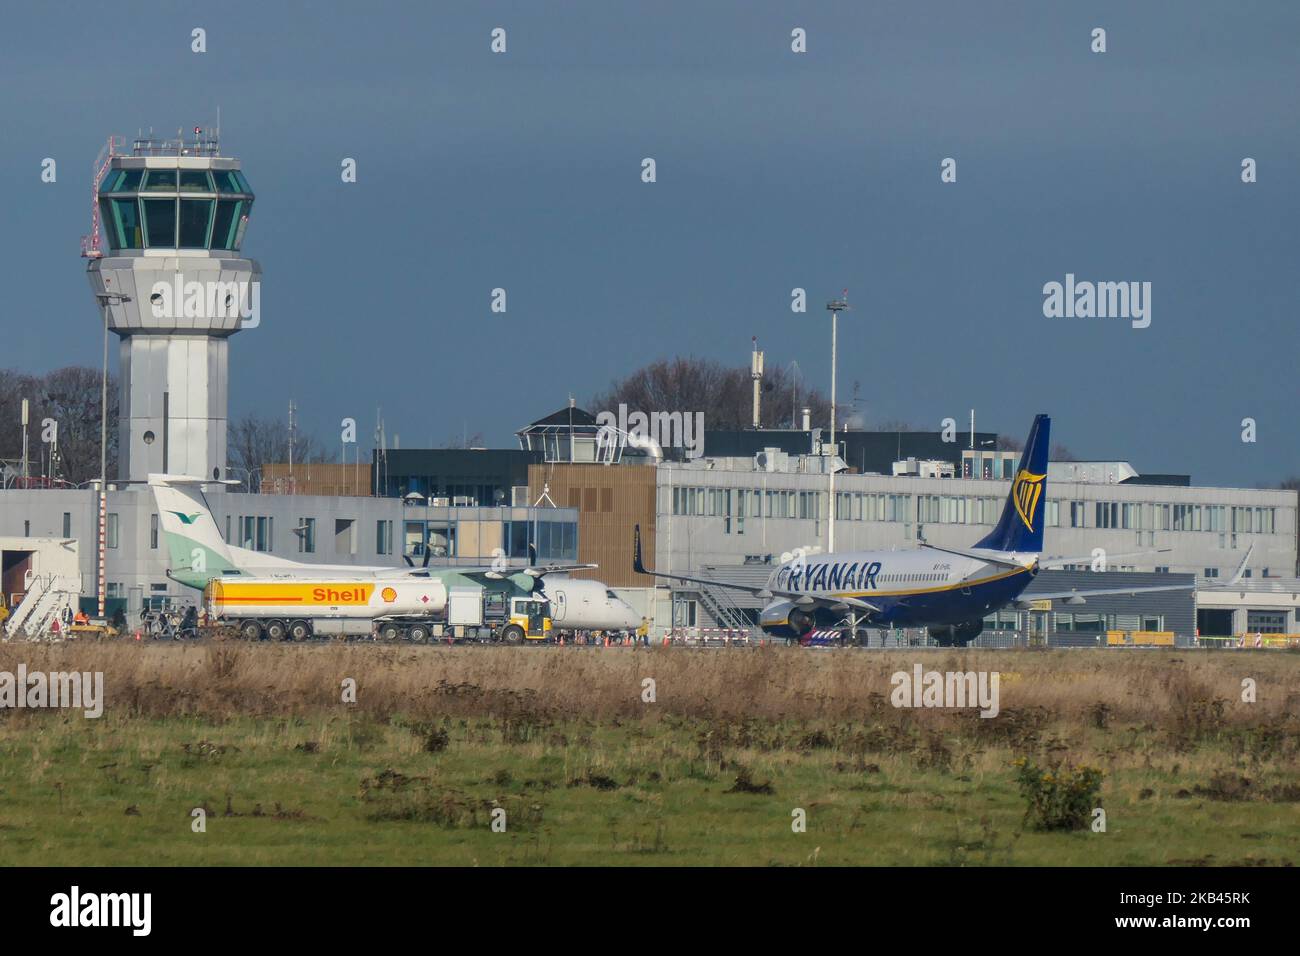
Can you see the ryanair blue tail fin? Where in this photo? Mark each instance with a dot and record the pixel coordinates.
(1021, 526)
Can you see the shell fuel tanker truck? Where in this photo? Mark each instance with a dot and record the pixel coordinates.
(280, 609)
(274, 598)
(414, 609)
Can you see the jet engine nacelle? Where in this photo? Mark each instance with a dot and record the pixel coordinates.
(786, 619)
(801, 622)
(960, 635)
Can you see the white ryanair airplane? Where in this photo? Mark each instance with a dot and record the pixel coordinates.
(949, 591)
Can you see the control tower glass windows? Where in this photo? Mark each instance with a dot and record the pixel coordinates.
(228, 225)
(195, 181)
(160, 181)
(160, 222)
(196, 216)
(121, 181)
(120, 219)
(231, 181)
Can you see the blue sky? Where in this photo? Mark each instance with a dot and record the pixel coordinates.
(775, 170)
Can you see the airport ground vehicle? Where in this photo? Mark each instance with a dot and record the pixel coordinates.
(296, 609)
(94, 629)
(414, 609)
(484, 614)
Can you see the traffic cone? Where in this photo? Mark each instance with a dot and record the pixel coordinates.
(607, 640)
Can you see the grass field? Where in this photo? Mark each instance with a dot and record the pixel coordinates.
(588, 772)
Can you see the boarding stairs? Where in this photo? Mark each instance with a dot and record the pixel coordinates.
(724, 610)
(46, 597)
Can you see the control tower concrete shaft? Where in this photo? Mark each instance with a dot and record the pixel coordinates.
(165, 263)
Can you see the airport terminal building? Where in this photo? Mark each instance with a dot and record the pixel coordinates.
(729, 517)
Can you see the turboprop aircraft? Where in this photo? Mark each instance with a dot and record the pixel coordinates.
(949, 591)
(198, 553)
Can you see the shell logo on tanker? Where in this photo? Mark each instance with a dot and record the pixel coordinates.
(327, 595)
(265, 594)
(389, 595)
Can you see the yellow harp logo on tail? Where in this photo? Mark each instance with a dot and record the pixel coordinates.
(1025, 492)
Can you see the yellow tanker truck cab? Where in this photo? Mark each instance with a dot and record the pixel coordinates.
(532, 616)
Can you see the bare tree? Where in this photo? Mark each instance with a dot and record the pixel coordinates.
(71, 398)
(253, 441)
(723, 394)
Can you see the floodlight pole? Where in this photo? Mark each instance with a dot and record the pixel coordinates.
(105, 300)
(834, 307)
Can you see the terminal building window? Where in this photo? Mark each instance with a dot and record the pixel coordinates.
(1090, 623)
(442, 539)
(255, 532)
(344, 539)
(1266, 622)
(307, 535)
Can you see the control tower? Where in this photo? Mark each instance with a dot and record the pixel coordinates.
(166, 270)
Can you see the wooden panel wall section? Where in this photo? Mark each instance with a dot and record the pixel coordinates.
(611, 500)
